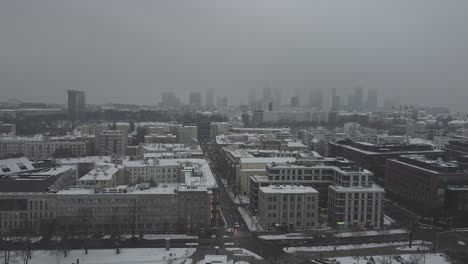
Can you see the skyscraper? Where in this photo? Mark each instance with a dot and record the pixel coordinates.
(170, 99)
(372, 100)
(252, 99)
(277, 100)
(76, 105)
(195, 99)
(267, 92)
(209, 98)
(335, 101)
(315, 98)
(358, 98)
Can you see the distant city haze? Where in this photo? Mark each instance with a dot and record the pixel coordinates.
(133, 51)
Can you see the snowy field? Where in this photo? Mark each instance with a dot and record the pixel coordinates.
(416, 243)
(372, 233)
(108, 256)
(425, 258)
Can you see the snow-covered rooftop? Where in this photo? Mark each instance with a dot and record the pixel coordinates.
(103, 172)
(286, 189)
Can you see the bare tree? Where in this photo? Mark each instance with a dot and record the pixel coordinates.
(84, 215)
(411, 228)
(25, 241)
(357, 231)
(384, 260)
(5, 248)
(60, 250)
(416, 259)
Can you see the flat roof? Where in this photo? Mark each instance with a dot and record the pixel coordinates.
(357, 189)
(267, 159)
(287, 189)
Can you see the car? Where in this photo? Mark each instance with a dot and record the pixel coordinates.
(236, 225)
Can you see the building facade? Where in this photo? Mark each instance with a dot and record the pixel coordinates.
(288, 206)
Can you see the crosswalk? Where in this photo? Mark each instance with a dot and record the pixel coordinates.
(241, 233)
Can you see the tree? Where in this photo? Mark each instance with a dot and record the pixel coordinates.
(84, 215)
(25, 250)
(416, 259)
(411, 228)
(384, 260)
(5, 247)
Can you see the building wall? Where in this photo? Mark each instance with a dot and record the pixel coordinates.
(362, 208)
(293, 211)
(109, 213)
(156, 174)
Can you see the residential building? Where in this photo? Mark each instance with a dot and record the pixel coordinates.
(105, 175)
(111, 142)
(291, 207)
(355, 206)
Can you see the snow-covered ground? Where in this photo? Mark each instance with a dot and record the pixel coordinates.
(244, 252)
(108, 256)
(33, 239)
(371, 233)
(160, 236)
(250, 220)
(427, 258)
(288, 236)
(388, 220)
(419, 247)
(171, 236)
(416, 243)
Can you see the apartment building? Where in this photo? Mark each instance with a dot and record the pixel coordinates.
(357, 206)
(291, 207)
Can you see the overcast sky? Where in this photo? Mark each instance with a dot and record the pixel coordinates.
(131, 51)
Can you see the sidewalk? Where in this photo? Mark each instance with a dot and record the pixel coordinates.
(239, 199)
(251, 221)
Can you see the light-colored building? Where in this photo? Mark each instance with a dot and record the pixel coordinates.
(253, 166)
(152, 171)
(111, 142)
(105, 175)
(358, 206)
(45, 149)
(292, 207)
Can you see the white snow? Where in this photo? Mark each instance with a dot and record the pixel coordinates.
(388, 220)
(413, 248)
(372, 233)
(244, 252)
(250, 220)
(108, 256)
(32, 239)
(171, 236)
(288, 236)
(353, 246)
(429, 259)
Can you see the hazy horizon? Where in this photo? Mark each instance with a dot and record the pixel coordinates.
(132, 51)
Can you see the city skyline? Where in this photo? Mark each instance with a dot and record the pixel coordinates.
(114, 59)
